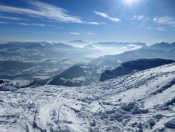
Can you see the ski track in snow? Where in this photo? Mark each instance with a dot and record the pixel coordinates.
(142, 101)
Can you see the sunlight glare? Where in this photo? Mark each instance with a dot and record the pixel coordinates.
(130, 2)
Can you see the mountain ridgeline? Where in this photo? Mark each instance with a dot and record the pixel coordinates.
(134, 66)
(68, 65)
(158, 50)
(34, 45)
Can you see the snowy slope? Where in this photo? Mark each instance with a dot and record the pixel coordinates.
(141, 101)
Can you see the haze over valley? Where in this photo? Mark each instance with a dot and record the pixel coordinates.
(87, 66)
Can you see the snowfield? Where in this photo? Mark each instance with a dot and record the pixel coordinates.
(142, 101)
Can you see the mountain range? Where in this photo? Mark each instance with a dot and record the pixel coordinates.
(38, 62)
(158, 50)
(58, 89)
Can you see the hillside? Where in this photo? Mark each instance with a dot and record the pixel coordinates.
(143, 101)
(134, 66)
(76, 75)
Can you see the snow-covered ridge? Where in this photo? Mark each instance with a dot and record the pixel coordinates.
(134, 66)
(141, 101)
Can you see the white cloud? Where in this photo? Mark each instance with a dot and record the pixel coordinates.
(28, 24)
(33, 24)
(75, 33)
(105, 15)
(43, 10)
(94, 23)
(165, 21)
(10, 18)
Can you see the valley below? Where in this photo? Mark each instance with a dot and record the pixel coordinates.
(48, 87)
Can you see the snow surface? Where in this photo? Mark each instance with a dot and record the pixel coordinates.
(142, 101)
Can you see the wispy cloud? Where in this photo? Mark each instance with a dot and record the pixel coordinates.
(33, 24)
(10, 18)
(28, 24)
(75, 33)
(45, 11)
(94, 23)
(165, 21)
(143, 22)
(105, 15)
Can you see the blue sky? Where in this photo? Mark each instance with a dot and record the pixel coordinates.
(91, 20)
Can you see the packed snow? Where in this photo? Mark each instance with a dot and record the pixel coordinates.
(142, 101)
